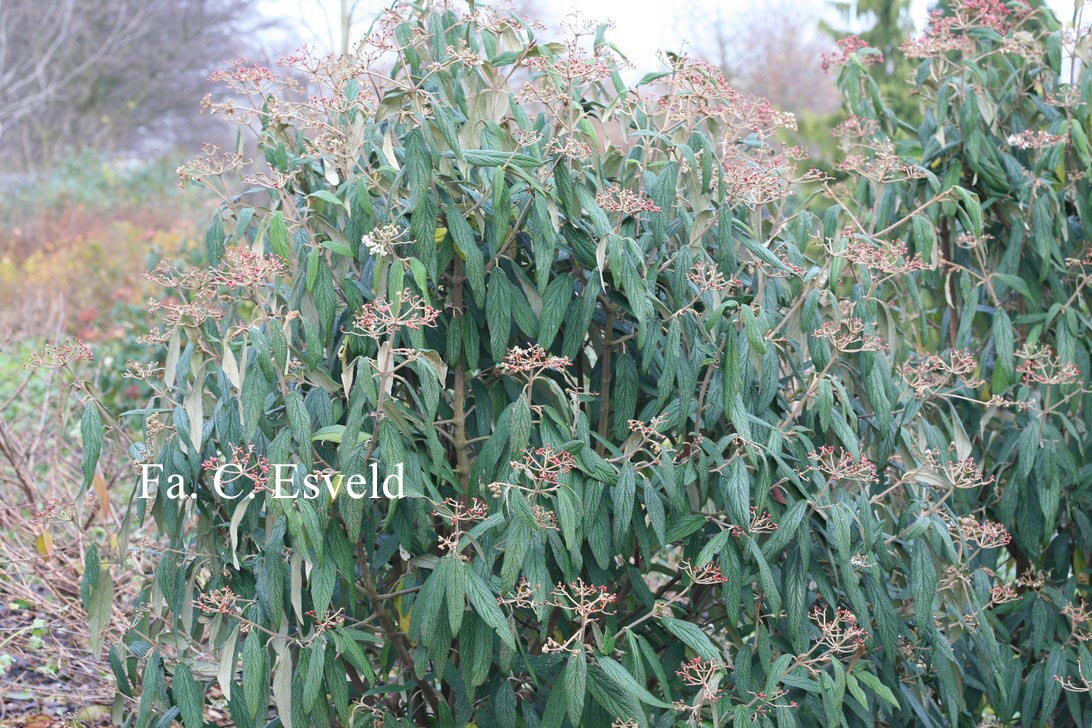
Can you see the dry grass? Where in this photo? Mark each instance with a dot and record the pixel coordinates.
(47, 671)
(73, 246)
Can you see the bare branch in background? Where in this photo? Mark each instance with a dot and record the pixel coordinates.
(773, 52)
(778, 55)
(114, 75)
(334, 23)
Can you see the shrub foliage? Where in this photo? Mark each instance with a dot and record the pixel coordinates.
(689, 434)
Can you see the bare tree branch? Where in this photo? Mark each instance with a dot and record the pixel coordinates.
(109, 74)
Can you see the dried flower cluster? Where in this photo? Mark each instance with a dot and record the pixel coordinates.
(840, 634)
(950, 32)
(581, 602)
(382, 240)
(381, 318)
(1039, 365)
(1080, 617)
(760, 523)
(647, 438)
(328, 622)
(931, 374)
(755, 179)
(856, 129)
(699, 89)
(220, 601)
(1035, 139)
(707, 573)
(707, 278)
(1076, 684)
(544, 518)
(243, 268)
(544, 465)
(244, 464)
(627, 202)
(837, 464)
(532, 360)
(890, 257)
(703, 674)
(55, 510)
(1002, 594)
(456, 512)
(553, 78)
(212, 162)
(848, 336)
(960, 474)
(239, 267)
(57, 356)
(847, 46)
(986, 534)
(880, 164)
(459, 516)
(141, 370)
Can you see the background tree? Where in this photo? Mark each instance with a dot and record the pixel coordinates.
(115, 75)
(774, 52)
(884, 25)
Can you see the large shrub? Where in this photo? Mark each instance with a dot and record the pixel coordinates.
(678, 447)
(1004, 97)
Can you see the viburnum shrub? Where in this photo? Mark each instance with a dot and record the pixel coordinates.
(995, 337)
(678, 446)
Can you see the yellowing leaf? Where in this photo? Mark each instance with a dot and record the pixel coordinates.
(104, 495)
(403, 618)
(44, 544)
